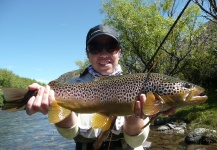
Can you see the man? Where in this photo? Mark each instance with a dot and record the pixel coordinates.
(103, 51)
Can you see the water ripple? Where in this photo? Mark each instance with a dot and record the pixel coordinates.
(20, 131)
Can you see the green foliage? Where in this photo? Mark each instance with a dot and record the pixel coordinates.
(202, 67)
(9, 79)
(143, 25)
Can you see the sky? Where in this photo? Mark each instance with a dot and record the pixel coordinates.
(42, 39)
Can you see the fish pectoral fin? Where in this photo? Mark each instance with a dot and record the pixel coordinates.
(57, 113)
(101, 121)
(107, 124)
(152, 105)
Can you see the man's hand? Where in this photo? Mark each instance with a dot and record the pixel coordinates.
(40, 102)
(139, 106)
(133, 124)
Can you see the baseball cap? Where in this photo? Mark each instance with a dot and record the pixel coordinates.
(102, 29)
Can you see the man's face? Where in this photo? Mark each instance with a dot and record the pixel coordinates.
(104, 53)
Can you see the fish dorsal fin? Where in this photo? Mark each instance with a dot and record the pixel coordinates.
(57, 113)
(102, 78)
(54, 83)
(152, 105)
(101, 121)
(107, 77)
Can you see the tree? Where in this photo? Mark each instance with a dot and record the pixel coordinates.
(209, 7)
(143, 25)
(82, 65)
(202, 67)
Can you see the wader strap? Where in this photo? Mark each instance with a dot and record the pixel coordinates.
(84, 146)
(124, 144)
(120, 145)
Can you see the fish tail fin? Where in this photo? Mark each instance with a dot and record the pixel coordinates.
(15, 99)
(57, 113)
(101, 121)
(152, 105)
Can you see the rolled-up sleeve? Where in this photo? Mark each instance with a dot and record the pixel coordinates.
(68, 133)
(138, 140)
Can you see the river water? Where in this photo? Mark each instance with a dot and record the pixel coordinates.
(20, 131)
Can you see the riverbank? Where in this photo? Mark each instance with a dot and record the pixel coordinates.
(173, 141)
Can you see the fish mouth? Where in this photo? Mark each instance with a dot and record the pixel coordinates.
(195, 96)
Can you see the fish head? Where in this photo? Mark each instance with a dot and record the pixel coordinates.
(177, 93)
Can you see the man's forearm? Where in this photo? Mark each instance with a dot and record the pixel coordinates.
(133, 125)
(68, 122)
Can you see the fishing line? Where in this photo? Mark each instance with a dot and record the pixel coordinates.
(110, 139)
(155, 63)
(148, 74)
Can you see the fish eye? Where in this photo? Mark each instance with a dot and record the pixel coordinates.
(187, 85)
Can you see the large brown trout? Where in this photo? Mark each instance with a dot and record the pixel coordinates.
(112, 96)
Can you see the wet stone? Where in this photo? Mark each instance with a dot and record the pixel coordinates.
(179, 130)
(171, 126)
(163, 128)
(208, 139)
(196, 136)
(159, 121)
